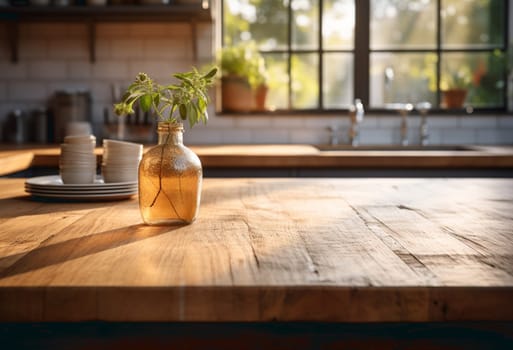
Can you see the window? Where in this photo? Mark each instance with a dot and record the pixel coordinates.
(322, 54)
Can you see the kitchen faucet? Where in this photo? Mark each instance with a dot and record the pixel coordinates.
(356, 114)
(423, 108)
(404, 110)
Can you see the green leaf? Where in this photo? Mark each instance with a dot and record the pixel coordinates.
(210, 74)
(183, 112)
(145, 102)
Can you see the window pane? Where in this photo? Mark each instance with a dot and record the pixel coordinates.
(338, 24)
(472, 23)
(337, 80)
(402, 78)
(481, 73)
(278, 81)
(264, 21)
(305, 81)
(403, 24)
(305, 24)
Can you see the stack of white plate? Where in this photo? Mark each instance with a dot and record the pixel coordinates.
(120, 161)
(53, 187)
(77, 163)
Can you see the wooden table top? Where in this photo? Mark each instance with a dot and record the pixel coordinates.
(17, 158)
(341, 250)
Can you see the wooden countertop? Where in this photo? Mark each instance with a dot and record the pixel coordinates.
(15, 158)
(341, 250)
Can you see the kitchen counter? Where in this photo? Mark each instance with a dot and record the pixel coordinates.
(19, 158)
(330, 250)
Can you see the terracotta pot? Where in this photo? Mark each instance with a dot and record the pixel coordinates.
(454, 98)
(260, 97)
(236, 94)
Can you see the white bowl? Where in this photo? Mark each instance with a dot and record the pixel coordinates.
(81, 139)
(80, 176)
(119, 177)
(78, 128)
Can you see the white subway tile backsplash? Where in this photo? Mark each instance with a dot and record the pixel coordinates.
(322, 122)
(389, 121)
(101, 92)
(175, 48)
(444, 121)
(126, 48)
(495, 136)
(265, 136)
(159, 30)
(68, 48)
(43, 30)
(80, 70)
(235, 136)
(68, 86)
(3, 91)
(113, 30)
(220, 122)
(252, 122)
(13, 70)
(77, 30)
(370, 122)
(202, 137)
(27, 91)
(505, 121)
(309, 136)
(47, 70)
(371, 136)
(32, 49)
(485, 121)
(103, 50)
(158, 69)
(455, 136)
(109, 70)
(288, 122)
(435, 137)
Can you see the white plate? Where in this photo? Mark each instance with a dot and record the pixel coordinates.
(75, 190)
(55, 181)
(86, 192)
(97, 197)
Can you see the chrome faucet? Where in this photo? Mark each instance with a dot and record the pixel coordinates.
(423, 108)
(333, 129)
(404, 110)
(356, 114)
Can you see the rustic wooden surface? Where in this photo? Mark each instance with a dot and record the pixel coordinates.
(343, 250)
(290, 156)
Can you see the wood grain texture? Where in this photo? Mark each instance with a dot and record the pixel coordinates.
(335, 250)
(293, 156)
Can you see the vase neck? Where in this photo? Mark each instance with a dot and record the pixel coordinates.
(170, 133)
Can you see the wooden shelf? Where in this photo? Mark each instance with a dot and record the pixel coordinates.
(91, 15)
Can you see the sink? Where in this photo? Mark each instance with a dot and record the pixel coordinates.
(387, 148)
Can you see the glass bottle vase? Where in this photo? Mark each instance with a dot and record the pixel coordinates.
(170, 177)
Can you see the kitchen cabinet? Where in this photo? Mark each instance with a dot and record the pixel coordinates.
(90, 16)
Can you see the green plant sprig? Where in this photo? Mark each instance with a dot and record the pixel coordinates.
(187, 100)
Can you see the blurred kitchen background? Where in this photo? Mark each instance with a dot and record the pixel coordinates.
(63, 59)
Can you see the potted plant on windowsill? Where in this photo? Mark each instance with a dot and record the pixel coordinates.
(455, 87)
(244, 78)
(170, 174)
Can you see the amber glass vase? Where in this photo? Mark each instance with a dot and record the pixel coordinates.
(170, 177)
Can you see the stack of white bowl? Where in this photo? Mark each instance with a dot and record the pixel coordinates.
(78, 162)
(78, 128)
(120, 160)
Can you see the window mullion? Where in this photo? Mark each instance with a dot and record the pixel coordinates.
(362, 51)
(289, 53)
(320, 57)
(438, 51)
